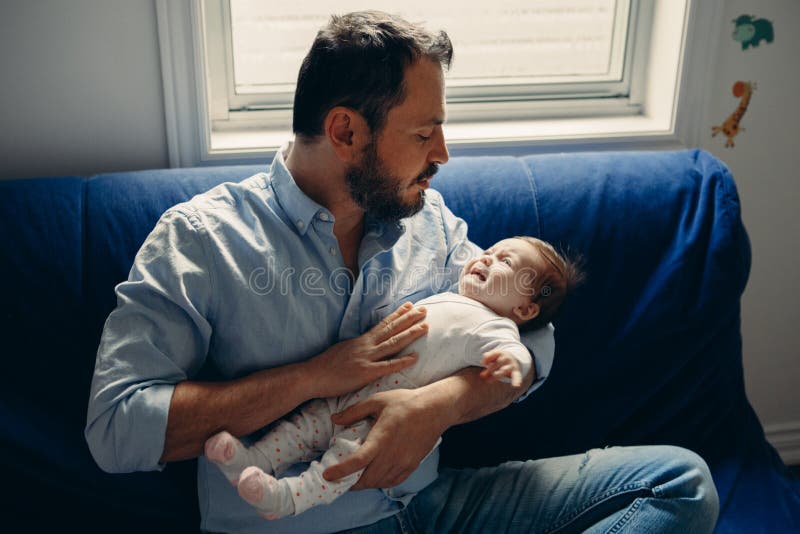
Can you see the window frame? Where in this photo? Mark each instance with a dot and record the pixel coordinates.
(661, 110)
(615, 84)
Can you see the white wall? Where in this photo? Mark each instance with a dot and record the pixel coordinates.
(81, 87)
(766, 165)
(81, 93)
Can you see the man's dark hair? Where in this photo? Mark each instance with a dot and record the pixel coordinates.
(358, 61)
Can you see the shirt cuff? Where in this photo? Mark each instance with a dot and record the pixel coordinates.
(542, 345)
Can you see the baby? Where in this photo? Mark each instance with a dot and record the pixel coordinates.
(518, 281)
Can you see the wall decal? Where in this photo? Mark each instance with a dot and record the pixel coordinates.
(750, 31)
(743, 91)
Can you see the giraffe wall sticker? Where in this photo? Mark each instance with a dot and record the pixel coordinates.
(731, 128)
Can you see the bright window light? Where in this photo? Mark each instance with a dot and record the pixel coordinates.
(514, 50)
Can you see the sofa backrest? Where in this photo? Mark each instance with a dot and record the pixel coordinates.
(647, 351)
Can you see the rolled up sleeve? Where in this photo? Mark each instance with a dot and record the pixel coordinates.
(542, 345)
(157, 336)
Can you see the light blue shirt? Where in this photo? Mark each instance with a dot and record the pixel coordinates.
(249, 276)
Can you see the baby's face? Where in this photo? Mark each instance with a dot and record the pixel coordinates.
(504, 278)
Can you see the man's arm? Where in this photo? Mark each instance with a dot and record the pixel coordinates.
(144, 409)
(200, 409)
(408, 423)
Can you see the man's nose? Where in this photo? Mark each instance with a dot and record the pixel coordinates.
(439, 153)
(486, 259)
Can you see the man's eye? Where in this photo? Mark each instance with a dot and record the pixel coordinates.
(507, 261)
(423, 138)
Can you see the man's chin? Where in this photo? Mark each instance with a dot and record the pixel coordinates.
(417, 206)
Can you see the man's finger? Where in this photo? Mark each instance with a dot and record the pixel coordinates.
(355, 413)
(371, 478)
(401, 319)
(397, 342)
(387, 367)
(360, 459)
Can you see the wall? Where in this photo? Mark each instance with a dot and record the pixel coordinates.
(81, 94)
(81, 90)
(765, 162)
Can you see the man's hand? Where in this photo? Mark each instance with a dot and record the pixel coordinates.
(500, 364)
(405, 430)
(352, 364)
(408, 423)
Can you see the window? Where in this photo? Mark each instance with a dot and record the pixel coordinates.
(519, 50)
(523, 71)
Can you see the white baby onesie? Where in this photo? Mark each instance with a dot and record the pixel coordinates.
(460, 331)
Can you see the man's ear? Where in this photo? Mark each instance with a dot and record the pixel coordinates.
(347, 132)
(526, 312)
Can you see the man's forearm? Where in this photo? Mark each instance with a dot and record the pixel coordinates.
(200, 409)
(465, 396)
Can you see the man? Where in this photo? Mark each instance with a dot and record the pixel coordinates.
(262, 280)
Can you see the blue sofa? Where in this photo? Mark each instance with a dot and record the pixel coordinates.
(648, 351)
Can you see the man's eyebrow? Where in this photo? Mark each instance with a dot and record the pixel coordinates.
(435, 121)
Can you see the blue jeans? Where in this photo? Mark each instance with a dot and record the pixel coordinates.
(619, 489)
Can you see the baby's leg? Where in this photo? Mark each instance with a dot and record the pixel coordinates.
(231, 456)
(290, 441)
(309, 489)
(300, 437)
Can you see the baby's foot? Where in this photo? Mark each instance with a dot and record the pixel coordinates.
(268, 495)
(228, 453)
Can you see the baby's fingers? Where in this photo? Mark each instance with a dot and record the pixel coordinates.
(490, 357)
(516, 379)
(511, 372)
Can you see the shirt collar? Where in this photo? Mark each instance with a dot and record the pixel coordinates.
(385, 233)
(295, 203)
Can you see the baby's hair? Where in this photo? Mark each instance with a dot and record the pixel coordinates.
(552, 287)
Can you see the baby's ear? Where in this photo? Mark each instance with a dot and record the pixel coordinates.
(526, 312)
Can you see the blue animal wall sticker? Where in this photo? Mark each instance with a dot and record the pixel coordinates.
(750, 31)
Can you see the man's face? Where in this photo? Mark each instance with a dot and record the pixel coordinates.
(397, 164)
(382, 194)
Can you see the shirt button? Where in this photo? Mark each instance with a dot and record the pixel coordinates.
(324, 216)
(332, 251)
(300, 225)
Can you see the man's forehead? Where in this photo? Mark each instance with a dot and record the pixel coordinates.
(419, 111)
(424, 102)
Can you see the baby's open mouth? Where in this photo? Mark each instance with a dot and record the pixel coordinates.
(479, 274)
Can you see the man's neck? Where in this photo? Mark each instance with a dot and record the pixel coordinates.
(321, 175)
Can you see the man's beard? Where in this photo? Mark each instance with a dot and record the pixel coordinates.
(379, 193)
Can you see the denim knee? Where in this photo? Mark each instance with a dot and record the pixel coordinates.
(689, 480)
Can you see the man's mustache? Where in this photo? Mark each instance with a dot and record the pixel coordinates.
(432, 169)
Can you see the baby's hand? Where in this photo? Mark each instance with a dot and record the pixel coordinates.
(501, 364)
